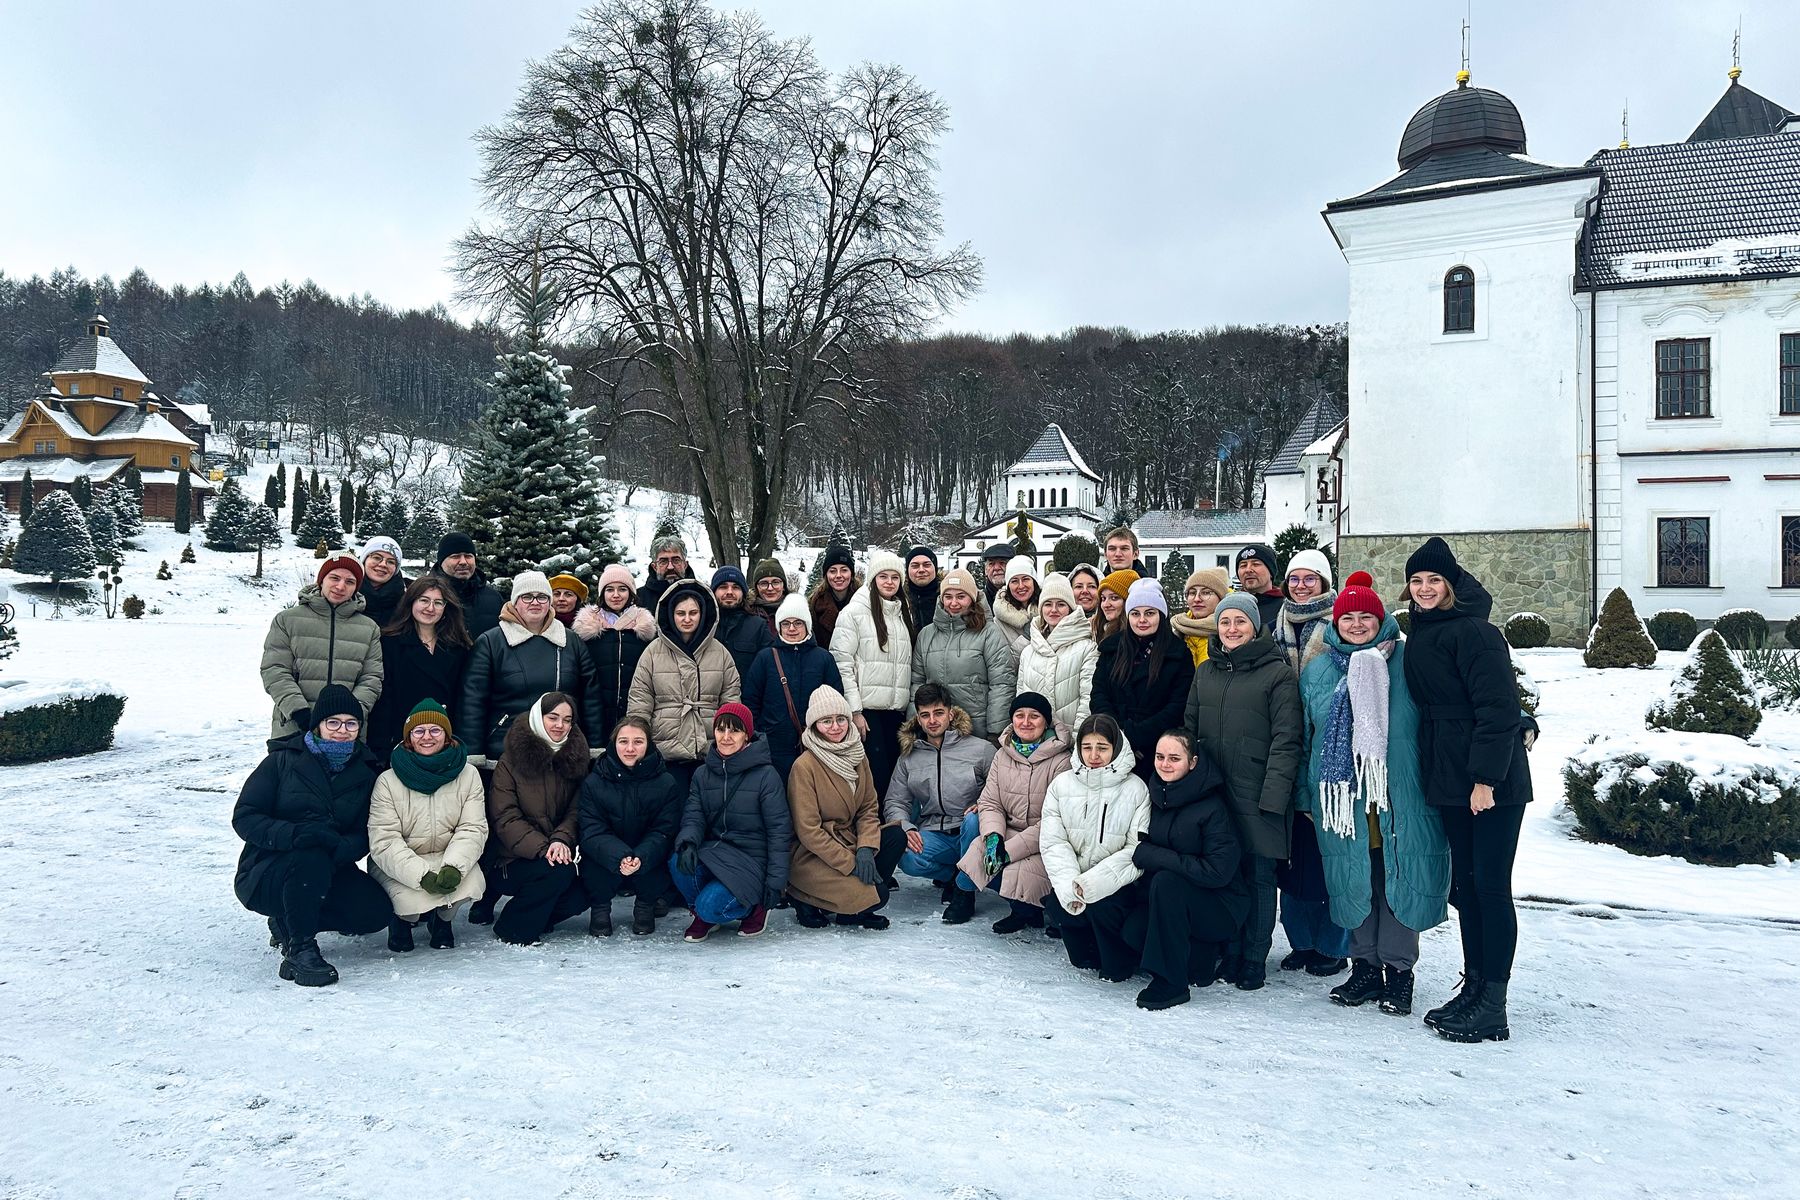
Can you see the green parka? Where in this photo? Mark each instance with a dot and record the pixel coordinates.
(312, 644)
(1244, 710)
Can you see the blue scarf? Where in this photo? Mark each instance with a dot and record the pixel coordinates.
(1025, 749)
(1353, 744)
(334, 754)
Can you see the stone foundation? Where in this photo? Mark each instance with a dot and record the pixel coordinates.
(1544, 571)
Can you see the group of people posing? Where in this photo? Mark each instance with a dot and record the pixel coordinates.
(1149, 787)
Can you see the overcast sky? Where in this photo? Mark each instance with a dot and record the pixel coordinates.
(1158, 166)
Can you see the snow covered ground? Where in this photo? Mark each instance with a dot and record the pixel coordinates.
(148, 1049)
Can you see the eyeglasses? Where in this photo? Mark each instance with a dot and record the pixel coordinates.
(428, 731)
(340, 725)
(834, 720)
(669, 560)
(534, 599)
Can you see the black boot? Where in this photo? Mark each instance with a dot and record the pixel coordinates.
(1363, 985)
(600, 920)
(1162, 993)
(1203, 964)
(481, 912)
(400, 935)
(1467, 989)
(1297, 960)
(961, 907)
(1482, 1019)
(436, 924)
(1015, 920)
(808, 916)
(863, 920)
(1396, 994)
(1324, 967)
(643, 918)
(1231, 967)
(1252, 975)
(277, 933)
(304, 965)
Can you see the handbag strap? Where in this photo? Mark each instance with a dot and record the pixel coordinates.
(781, 671)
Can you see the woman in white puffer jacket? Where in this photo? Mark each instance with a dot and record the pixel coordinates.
(1089, 831)
(1059, 656)
(873, 647)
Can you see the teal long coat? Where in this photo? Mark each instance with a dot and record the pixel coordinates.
(1415, 855)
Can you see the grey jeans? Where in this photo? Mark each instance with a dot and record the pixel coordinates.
(1382, 938)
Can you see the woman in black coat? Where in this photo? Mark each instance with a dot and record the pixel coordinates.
(740, 631)
(615, 631)
(527, 655)
(423, 652)
(630, 808)
(304, 818)
(1472, 761)
(732, 854)
(1143, 674)
(1193, 899)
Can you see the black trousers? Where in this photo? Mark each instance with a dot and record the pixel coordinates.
(1179, 925)
(1259, 927)
(1482, 848)
(1096, 936)
(887, 857)
(883, 745)
(542, 897)
(308, 893)
(603, 881)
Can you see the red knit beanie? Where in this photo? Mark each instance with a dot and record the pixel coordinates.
(1358, 595)
(342, 562)
(734, 709)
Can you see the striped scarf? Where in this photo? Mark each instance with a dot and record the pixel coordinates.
(1353, 752)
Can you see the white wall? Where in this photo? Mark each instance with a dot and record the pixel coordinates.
(1473, 431)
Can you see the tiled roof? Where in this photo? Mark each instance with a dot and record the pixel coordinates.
(1694, 210)
(1187, 525)
(1467, 168)
(1053, 451)
(1321, 418)
(101, 355)
(1740, 112)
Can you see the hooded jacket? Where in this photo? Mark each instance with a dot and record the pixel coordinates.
(533, 799)
(382, 598)
(934, 786)
(679, 689)
(1145, 708)
(1192, 834)
(481, 603)
(615, 651)
(312, 644)
(1091, 819)
(1244, 710)
(1012, 805)
(510, 668)
(808, 667)
(1415, 856)
(977, 668)
(834, 817)
(874, 678)
(1459, 671)
(629, 812)
(291, 791)
(737, 817)
(411, 833)
(1060, 664)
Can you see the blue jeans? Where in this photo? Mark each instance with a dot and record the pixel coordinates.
(710, 900)
(1308, 927)
(937, 860)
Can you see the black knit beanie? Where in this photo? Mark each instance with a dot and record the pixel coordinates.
(453, 543)
(335, 700)
(1435, 556)
(1037, 702)
(838, 556)
(921, 552)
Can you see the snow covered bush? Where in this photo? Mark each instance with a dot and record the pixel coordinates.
(226, 526)
(1619, 638)
(1529, 695)
(133, 608)
(1743, 628)
(1703, 797)
(56, 545)
(1790, 632)
(319, 524)
(1709, 694)
(1672, 629)
(1073, 549)
(1774, 675)
(39, 722)
(1526, 631)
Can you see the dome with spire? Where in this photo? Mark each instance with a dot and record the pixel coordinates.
(1462, 117)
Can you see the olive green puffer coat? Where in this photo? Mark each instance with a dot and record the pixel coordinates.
(313, 644)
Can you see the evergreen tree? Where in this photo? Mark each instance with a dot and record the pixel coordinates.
(26, 498)
(281, 486)
(272, 492)
(420, 539)
(1073, 549)
(529, 496)
(262, 527)
(187, 553)
(230, 517)
(56, 545)
(314, 487)
(103, 531)
(184, 502)
(393, 517)
(301, 497)
(82, 490)
(369, 508)
(1619, 638)
(1710, 695)
(1174, 575)
(127, 508)
(346, 504)
(134, 482)
(320, 524)
(1290, 542)
(9, 641)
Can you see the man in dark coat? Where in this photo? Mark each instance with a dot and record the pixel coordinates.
(382, 583)
(740, 631)
(1257, 567)
(668, 563)
(456, 564)
(922, 584)
(993, 569)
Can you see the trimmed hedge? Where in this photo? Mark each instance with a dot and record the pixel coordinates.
(1673, 629)
(1526, 631)
(1791, 632)
(1743, 629)
(76, 725)
(1749, 820)
(1619, 638)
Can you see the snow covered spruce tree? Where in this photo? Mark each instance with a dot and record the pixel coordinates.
(393, 521)
(1710, 695)
(103, 528)
(320, 522)
(531, 491)
(127, 508)
(56, 545)
(225, 528)
(422, 534)
(1619, 638)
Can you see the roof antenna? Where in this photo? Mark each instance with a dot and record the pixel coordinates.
(1625, 126)
(1737, 40)
(1462, 76)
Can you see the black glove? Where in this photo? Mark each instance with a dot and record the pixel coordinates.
(345, 853)
(316, 837)
(865, 867)
(449, 878)
(301, 717)
(687, 860)
(771, 897)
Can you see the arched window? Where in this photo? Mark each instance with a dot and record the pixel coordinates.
(1459, 300)
(1065, 499)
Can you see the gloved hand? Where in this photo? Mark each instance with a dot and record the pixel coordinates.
(316, 837)
(301, 717)
(993, 854)
(449, 879)
(687, 859)
(865, 867)
(428, 882)
(345, 852)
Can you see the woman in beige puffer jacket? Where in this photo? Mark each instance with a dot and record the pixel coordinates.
(1011, 806)
(682, 679)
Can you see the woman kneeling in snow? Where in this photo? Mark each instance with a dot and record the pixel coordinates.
(841, 851)
(427, 827)
(1092, 817)
(731, 856)
(304, 818)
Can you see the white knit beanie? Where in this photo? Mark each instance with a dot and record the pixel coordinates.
(383, 545)
(1314, 561)
(793, 608)
(1020, 565)
(530, 583)
(1056, 587)
(886, 560)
